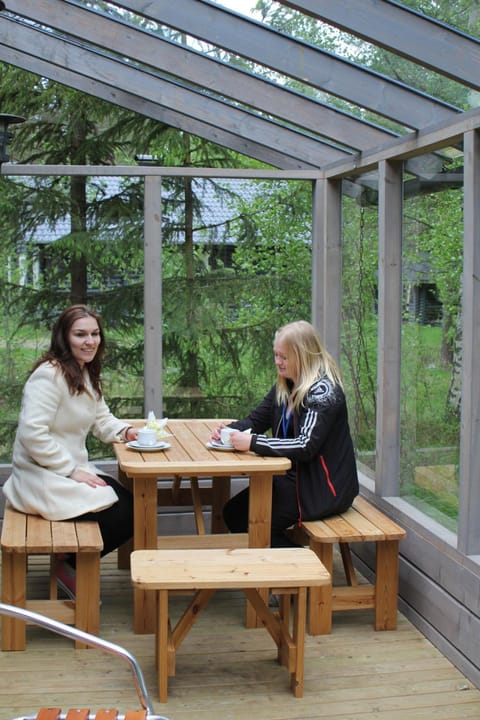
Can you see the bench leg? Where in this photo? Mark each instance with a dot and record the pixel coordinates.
(347, 561)
(320, 606)
(169, 639)
(386, 584)
(163, 642)
(298, 636)
(14, 592)
(87, 601)
(290, 645)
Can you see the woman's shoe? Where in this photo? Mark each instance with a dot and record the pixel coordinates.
(66, 578)
(273, 601)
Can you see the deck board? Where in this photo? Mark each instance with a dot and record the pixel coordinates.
(226, 671)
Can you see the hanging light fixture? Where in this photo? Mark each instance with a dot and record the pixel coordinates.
(5, 135)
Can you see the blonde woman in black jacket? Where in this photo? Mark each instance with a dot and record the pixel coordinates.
(305, 414)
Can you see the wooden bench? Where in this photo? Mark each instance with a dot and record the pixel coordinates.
(361, 523)
(288, 572)
(24, 535)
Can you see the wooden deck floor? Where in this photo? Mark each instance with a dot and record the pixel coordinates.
(226, 672)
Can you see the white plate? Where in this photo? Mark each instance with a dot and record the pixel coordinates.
(217, 445)
(134, 445)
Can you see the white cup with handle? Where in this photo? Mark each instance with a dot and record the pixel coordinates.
(147, 437)
(225, 435)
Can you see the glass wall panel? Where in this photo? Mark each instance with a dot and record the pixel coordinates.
(236, 266)
(431, 342)
(236, 259)
(68, 240)
(359, 310)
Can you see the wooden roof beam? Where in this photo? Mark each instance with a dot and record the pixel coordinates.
(215, 76)
(296, 59)
(405, 32)
(60, 54)
(149, 109)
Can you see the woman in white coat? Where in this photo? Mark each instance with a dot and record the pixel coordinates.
(62, 403)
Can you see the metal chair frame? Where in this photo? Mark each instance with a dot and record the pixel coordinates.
(93, 641)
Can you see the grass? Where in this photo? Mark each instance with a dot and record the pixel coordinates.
(430, 433)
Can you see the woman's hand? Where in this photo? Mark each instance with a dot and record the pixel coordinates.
(87, 477)
(216, 433)
(241, 440)
(131, 433)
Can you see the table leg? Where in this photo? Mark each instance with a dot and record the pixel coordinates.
(124, 551)
(259, 528)
(144, 538)
(221, 489)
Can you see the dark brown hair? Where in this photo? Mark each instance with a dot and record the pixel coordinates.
(60, 354)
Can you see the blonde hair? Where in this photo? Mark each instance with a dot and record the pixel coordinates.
(307, 356)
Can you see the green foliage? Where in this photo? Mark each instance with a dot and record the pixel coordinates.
(274, 241)
(461, 14)
(442, 506)
(425, 383)
(226, 316)
(359, 319)
(437, 236)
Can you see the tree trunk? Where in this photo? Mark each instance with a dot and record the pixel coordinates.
(78, 261)
(190, 377)
(454, 396)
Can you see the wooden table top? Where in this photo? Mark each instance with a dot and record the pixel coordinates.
(189, 455)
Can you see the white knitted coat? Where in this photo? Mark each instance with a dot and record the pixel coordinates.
(51, 443)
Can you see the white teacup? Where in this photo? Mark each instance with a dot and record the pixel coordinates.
(147, 436)
(225, 435)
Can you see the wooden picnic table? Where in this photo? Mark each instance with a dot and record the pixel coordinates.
(188, 456)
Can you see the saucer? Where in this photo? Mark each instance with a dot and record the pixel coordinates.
(217, 445)
(135, 445)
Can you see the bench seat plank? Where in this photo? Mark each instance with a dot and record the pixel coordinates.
(14, 531)
(64, 534)
(215, 540)
(351, 526)
(386, 524)
(88, 535)
(220, 569)
(38, 538)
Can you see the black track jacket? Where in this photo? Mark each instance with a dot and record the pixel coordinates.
(319, 444)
